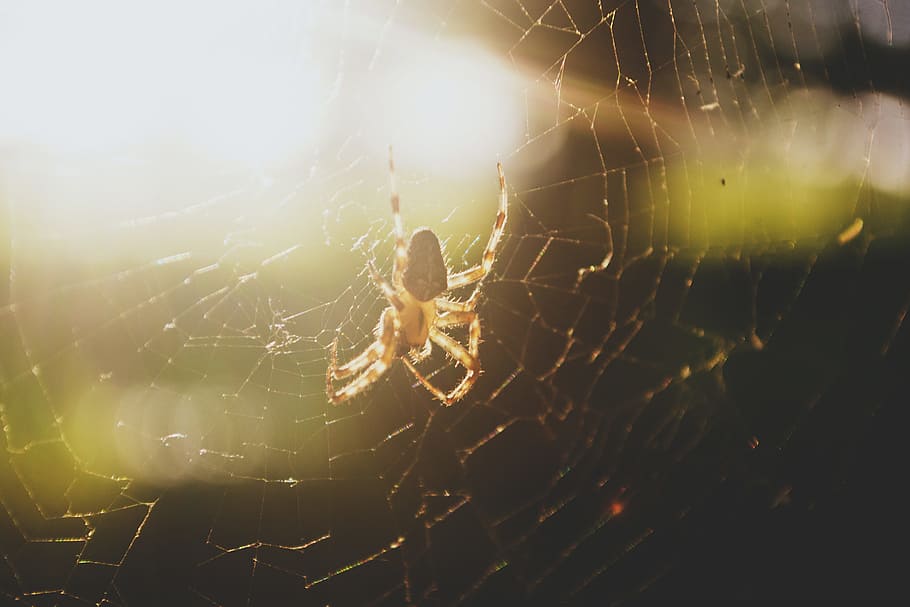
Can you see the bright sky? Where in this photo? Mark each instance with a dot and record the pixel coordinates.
(248, 82)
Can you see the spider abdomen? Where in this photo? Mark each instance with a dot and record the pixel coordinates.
(425, 275)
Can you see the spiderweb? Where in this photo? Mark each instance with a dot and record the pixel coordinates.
(694, 337)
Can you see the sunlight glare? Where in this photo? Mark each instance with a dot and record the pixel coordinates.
(101, 75)
(452, 108)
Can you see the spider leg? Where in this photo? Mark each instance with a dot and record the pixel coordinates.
(355, 365)
(417, 355)
(446, 305)
(467, 357)
(472, 275)
(362, 360)
(455, 317)
(376, 359)
(384, 286)
(436, 392)
(401, 255)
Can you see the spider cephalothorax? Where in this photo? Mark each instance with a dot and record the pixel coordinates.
(419, 313)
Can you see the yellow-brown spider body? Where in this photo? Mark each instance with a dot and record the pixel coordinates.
(424, 278)
(418, 312)
(416, 318)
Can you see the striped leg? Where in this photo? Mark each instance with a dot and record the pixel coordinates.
(455, 318)
(355, 365)
(476, 273)
(444, 305)
(376, 359)
(401, 254)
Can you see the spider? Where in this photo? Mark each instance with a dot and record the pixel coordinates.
(419, 313)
